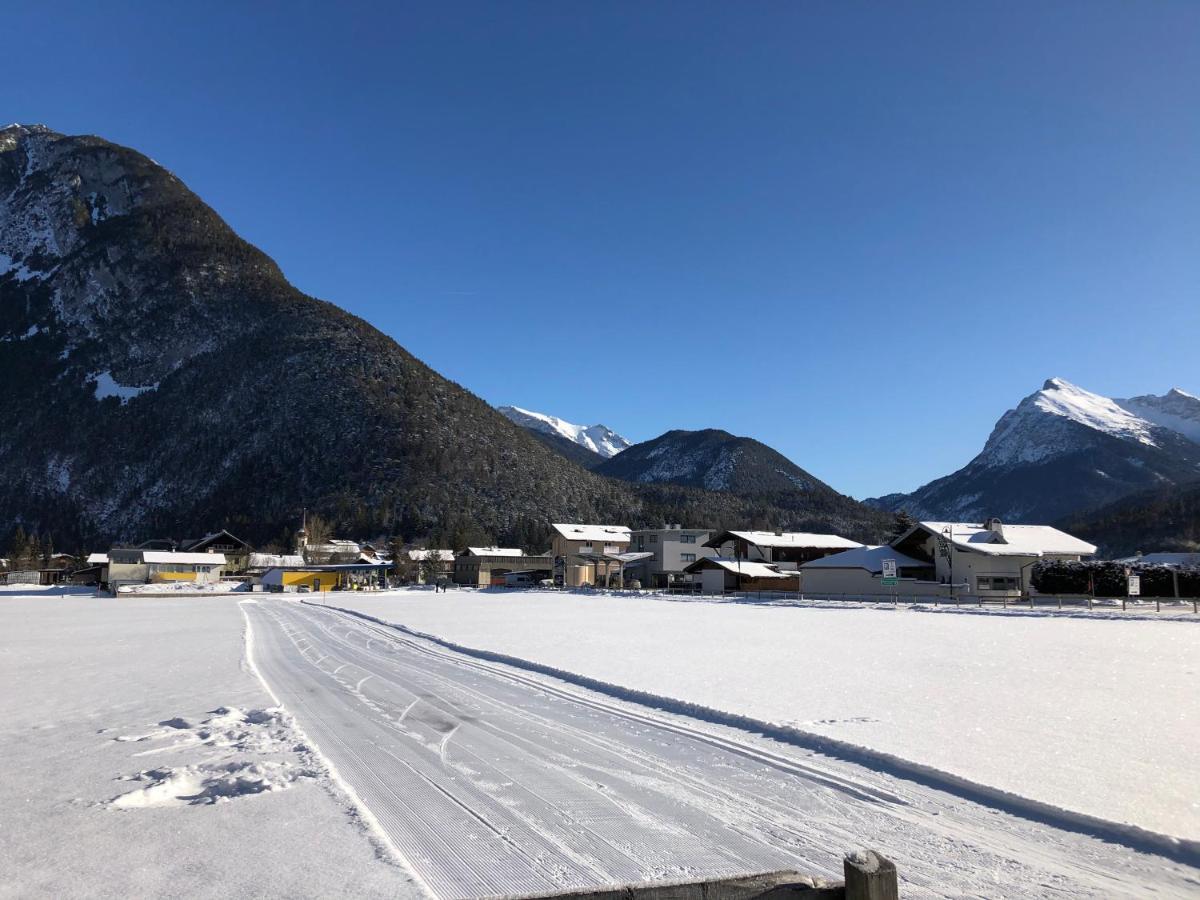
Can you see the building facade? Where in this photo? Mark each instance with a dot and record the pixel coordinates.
(576, 552)
(674, 548)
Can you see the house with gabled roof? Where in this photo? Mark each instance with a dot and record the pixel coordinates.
(988, 561)
(786, 550)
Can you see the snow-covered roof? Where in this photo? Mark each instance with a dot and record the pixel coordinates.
(743, 567)
(265, 560)
(97, 559)
(867, 557)
(617, 534)
(443, 555)
(785, 539)
(1164, 559)
(187, 559)
(1011, 540)
(495, 551)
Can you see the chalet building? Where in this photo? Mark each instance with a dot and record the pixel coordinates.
(719, 575)
(330, 552)
(588, 554)
(991, 561)
(786, 550)
(234, 549)
(445, 567)
(138, 566)
(491, 566)
(672, 549)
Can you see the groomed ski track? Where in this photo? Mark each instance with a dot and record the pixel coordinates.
(489, 781)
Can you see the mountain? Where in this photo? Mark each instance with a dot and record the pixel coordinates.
(577, 454)
(166, 378)
(1063, 450)
(1160, 520)
(715, 460)
(160, 377)
(599, 439)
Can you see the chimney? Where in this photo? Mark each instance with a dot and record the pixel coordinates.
(996, 527)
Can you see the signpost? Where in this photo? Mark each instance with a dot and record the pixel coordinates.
(889, 573)
(1135, 586)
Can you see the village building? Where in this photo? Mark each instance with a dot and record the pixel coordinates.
(720, 575)
(234, 549)
(589, 554)
(443, 571)
(992, 561)
(493, 566)
(786, 550)
(332, 577)
(672, 549)
(138, 566)
(258, 563)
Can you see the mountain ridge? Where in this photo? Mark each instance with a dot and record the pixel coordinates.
(1063, 450)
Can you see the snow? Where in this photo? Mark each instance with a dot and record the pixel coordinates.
(1061, 398)
(618, 534)
(1019, 540)
(107, 386)
(743, 567)
(143, 759)
(187, 559)
(205, 747)
(1083, 714)
(495, 551)
(597, 438)
(1177, 410)
(788, 539)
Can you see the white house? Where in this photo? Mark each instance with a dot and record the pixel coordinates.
(786, 550)
(949, 559)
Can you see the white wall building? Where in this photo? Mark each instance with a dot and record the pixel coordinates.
(948, 559)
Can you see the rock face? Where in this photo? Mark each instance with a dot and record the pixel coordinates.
(599, 439)
(1064, 450)
(161, 378)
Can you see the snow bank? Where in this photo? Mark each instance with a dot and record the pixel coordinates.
(1080, 717)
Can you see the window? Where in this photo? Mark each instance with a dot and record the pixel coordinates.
(998, 583)
(688, 557)
(587, 547)
(654, 538)
(687, 539)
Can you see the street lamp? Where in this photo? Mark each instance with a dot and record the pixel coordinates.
(948, 548)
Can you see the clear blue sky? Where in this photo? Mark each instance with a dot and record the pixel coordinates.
(857, 232)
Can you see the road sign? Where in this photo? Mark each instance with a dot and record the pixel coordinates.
(1135, 586)
(889, 573)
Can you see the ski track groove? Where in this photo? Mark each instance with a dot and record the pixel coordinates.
(488, 781)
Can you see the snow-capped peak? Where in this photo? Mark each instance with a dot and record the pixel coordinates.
(597, 438)
(1061, 398)
(1176, 409)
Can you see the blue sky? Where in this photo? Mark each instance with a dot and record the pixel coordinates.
(857, 232)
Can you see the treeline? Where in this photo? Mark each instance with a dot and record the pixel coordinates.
(1109, 579)
(28, 551)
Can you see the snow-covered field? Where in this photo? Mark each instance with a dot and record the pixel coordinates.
(1094, 715)
(140, 758)
(146, 752)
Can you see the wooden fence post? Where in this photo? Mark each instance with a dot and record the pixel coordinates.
(870, 877)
